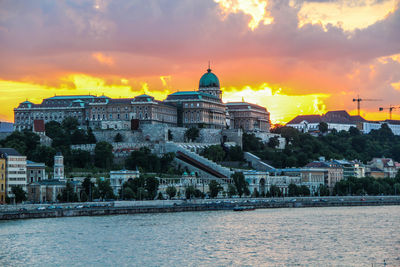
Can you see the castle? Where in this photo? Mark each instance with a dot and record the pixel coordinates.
(202, 108)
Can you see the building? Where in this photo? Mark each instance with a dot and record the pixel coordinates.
(35, 172)
(339, 120)
(352, 168)
(332, 173)
(386, 165)
(262, 181)
(58, 167)
(200, 108)
(118, 178)
(15, 170)
(249, 117)
(45, 190)
(2, 179)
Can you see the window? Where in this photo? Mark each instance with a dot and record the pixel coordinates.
(110, 116)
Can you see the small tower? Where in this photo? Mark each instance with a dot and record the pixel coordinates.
(209, 84)
(58, 166)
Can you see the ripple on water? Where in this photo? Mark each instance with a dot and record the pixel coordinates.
(350, 236)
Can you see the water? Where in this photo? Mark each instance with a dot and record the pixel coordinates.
(342, 236)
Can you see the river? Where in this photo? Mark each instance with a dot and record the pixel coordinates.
(335, 236)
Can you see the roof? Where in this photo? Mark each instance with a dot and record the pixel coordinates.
(9, 152)
(144, 97)
(120, 100)
(70, 97)
(308, 118)
(244, 105)
(34, 164)
(190, 95)
(209, 79)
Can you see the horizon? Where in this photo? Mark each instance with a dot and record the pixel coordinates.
(292, 57)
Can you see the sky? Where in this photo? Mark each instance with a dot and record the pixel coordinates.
(291, 56)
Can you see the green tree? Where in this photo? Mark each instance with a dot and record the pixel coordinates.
(103, 155)
(240, 183)
(91, 139)
(19, 193)
(274, 191)
(118, 138)
(151, 186)
(293, 190)
(87, 186)
(273, 142)
(235, 153)
(305, 191)
(190, 192)
(105, 189)
(170, 135)
(68, 193)
(192, 133)
(231, 190)
(70, 124)
(160, 196)
(214, 153)
(171, 191)
(214, 188)
(79, 158)
(127, 193)
(323, 127)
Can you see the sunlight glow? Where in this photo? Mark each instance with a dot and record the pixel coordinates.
(348, 15)
(282, 107)
(257, 9)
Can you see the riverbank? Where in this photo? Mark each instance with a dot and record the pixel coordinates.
(132, 207)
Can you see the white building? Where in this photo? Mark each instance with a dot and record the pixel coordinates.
(15, 170)
(118, 178)
(58, 167)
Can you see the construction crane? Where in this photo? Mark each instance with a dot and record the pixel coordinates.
(390, 108)
(358, 100)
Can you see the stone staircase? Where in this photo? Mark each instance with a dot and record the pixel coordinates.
(199, 162)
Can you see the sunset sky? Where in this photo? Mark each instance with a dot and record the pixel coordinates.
(293, 57)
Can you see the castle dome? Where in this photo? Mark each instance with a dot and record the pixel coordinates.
(209, 79)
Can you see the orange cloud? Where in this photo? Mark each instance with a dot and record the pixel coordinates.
(103, 59)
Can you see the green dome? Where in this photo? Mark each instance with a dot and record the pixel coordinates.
(209, 79)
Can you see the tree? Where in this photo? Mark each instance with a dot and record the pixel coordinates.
(274, 191)
(240, 183)
(19, 193)
(323, 127)
(231, 190)
(91, 139)
(190, 192)
(68, 194)
(171, 191)
(70, 124)
(103, 155)
(192, 133)
(214, 153)
(105, 189)
(78, 136)
(305, 191)
(87, 186)
(160, 196)
(118, 138)
(214, 188)
(170, 135)
(255, 193)
(273, 142)
(152, 186)
(79, 158)
(127, 193)
(293, 190)
(235, 153)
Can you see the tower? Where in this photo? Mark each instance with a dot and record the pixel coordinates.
(58, 166)
(209, 84)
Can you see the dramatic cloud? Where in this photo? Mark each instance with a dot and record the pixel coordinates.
(309, 53)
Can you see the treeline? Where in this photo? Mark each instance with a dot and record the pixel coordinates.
(218, 153)
(302, 148)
